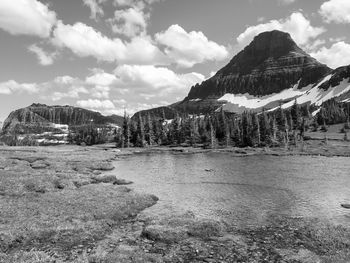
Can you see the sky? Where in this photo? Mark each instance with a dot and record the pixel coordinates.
(116, 55)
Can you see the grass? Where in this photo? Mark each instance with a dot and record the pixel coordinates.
(51, 213)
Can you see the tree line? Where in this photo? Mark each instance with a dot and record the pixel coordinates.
(268, 128)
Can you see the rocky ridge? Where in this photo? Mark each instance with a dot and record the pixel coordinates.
(50, 118)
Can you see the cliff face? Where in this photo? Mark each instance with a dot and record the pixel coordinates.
(271, 63)
(44, 116)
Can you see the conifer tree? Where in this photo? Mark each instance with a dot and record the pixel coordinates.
(149, 130)
(212, 136)
(273, 127)
(126, 131)
(256, 136)
(140, 132)
(295, 112)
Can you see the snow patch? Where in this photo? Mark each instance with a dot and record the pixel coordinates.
(315, 112)
(252, 102)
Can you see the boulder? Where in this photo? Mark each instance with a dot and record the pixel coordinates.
(164, 233)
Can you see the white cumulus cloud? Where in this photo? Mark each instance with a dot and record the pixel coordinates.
(26, 17)
(96, 104)
(335, 56)
(189, 48)
(296, 24)
(286, 2)
(95, 8)
(85, 41)
(337, 11)
(101, 78)
(44, 58)
(151, 78)
(11, 86)
(130, 22)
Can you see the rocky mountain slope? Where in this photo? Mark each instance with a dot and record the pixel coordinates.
(270, 71)
(43, 118)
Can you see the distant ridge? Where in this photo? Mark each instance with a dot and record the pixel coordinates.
(46, 117)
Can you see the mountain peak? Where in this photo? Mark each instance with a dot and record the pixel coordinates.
(274, 43)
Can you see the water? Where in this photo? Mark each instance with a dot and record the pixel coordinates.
(243, 191)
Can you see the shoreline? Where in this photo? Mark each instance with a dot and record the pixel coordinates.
(94, 218)
(316, 147)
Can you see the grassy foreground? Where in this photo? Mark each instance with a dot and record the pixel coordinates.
(56, 205)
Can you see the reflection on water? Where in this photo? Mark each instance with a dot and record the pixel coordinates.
(244, 191)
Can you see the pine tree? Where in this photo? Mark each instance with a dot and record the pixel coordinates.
(140, 133)
(126, 131)
(212, 136)
(264, 127)
(256, 136)
(295, 112)
(274, 129)
(149, 130)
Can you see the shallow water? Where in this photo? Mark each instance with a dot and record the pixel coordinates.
(245, 191)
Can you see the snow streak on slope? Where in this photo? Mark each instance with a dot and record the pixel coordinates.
(310, 94)
(318, 96)
(253, 102)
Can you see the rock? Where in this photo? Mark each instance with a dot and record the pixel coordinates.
(346, 206)
(205, 229)
(208, 170)
(164, 233)
(39, 165)
(101, 166)
(122, 182)
(302, 255)
(109, 179)
(241, 152)
(104, 179)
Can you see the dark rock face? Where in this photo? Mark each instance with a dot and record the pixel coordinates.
(40, 116)
(338, 76)
(270, 64)
(168, 112)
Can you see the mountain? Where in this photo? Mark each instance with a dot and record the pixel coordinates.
(42, 118)
(270, 71)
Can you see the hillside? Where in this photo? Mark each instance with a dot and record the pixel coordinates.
(47, 118)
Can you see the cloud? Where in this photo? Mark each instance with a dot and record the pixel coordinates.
(11, 86)
(335, 56)
(130, 22)
(337, 11)
(64, 80)
(188, 49)
(95, 8)
(139, 4)
(155, 79)
(96, 104)
(85, 41)
(26, 17)
(44, 58)
(286, 2)
(296, 24)
(101, 78)
(73, 92)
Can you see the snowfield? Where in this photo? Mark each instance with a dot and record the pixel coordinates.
(309, 94)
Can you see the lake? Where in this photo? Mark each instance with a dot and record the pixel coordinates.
(243, 191)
